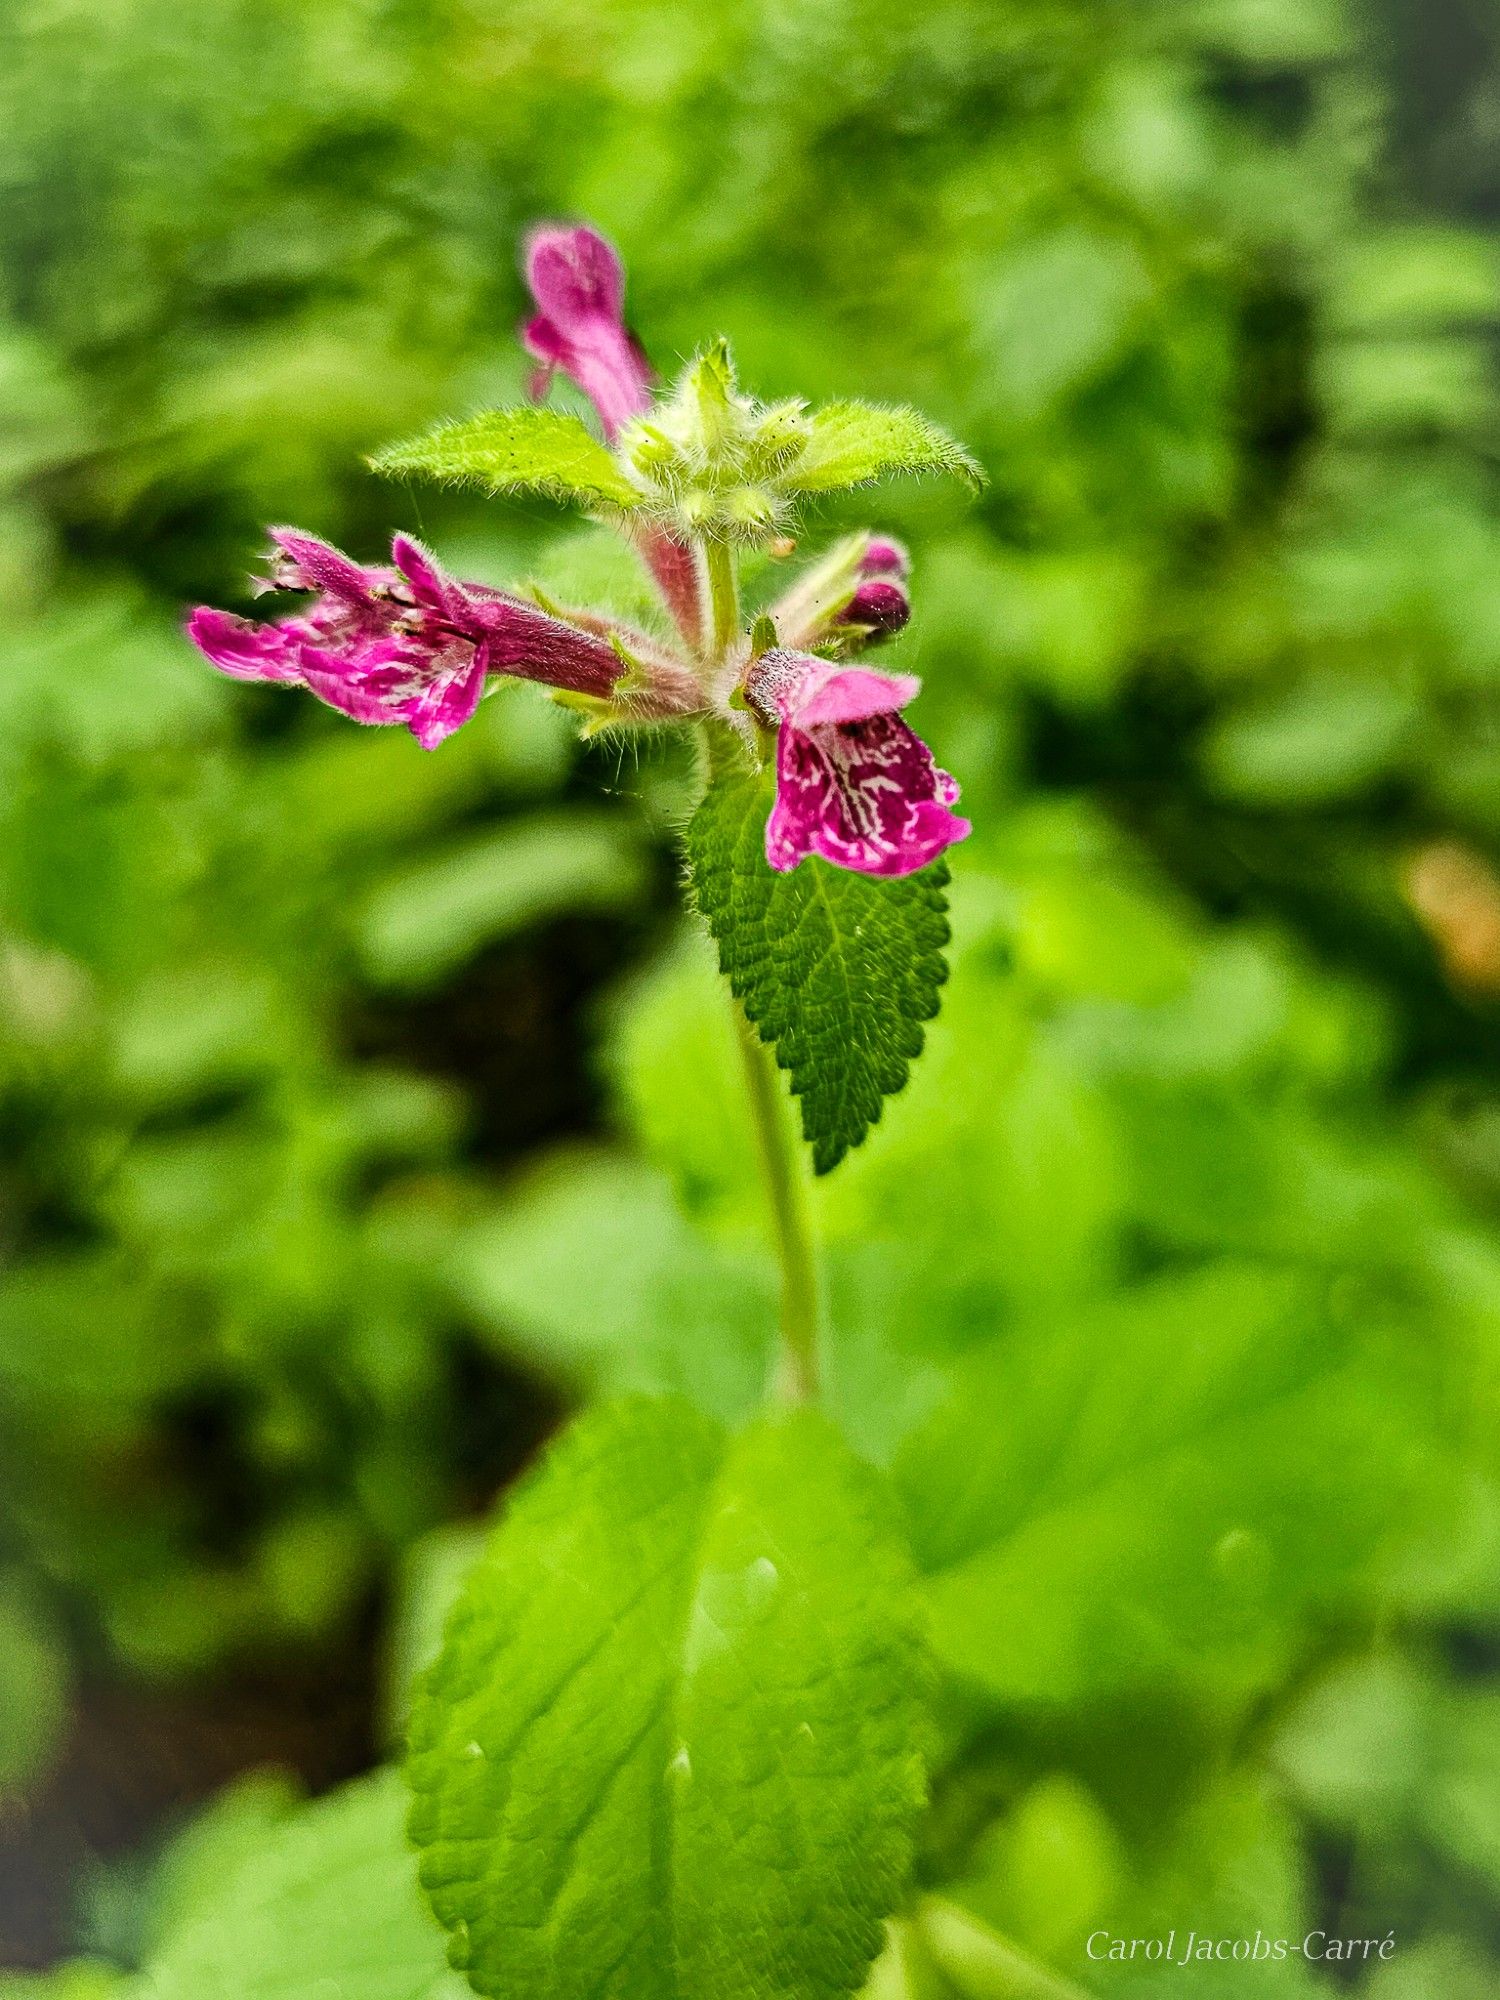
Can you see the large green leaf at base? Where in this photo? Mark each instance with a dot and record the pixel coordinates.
(671, 1749)
(838, 971)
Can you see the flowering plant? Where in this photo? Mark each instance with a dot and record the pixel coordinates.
(689, 480)
(674, 1741)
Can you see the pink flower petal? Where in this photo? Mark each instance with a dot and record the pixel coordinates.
(305, 563)
(430, 585)
(848, 694)
(242, 648)
(371, 684)
(854, 783)
(574, 274)
(446, 703)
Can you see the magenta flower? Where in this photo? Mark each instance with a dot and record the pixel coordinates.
(407, 644)
(579, 283)
(854, 783)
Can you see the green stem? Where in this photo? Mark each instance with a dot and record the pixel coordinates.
(781, 1165)
(723, 595)
(981, 1962)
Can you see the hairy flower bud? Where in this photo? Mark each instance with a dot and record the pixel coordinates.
(884, 556)
(878, 609)
(856, 596)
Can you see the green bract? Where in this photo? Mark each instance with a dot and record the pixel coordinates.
(707, 460)
(849, 444)
(516, 451)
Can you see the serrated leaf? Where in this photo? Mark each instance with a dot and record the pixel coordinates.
(672, 1747)
(328, 1903)
(851, 443)
(838, 971)
(516, 451)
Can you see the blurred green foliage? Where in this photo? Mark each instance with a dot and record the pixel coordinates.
(1170, 1289)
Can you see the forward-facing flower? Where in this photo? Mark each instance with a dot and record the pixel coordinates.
(405, 644)
(854, 783)
(578, 283)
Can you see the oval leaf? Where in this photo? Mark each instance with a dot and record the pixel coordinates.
(672, 1745)
(324, 1903)
(838, 971)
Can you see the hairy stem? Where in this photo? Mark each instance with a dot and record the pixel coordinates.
(781, 1165)
(723, 595)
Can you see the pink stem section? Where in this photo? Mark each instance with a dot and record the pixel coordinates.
(674, 567)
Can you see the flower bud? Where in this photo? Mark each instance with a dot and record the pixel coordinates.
(885, 557)
(856, 596)
(880, 607)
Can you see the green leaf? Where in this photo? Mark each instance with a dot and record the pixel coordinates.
(224, 1836)
(838, 971)
(75, 1979)
(1153, 1489)
(327, 1904)
(33, 1685)
(851, 443)
(678, 1313)
(677, 1072)
(672, 1747)
(516, 451)
(420, 923)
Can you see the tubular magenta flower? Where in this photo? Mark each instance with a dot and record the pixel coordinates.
(406, 644)
(854, 783)
(579, 284)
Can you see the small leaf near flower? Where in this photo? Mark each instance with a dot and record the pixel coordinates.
(837, 970)
(516, 451)
(850, 443)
